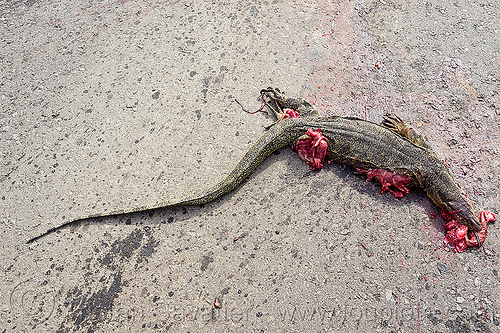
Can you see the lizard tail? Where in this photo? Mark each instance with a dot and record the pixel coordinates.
(278, 136)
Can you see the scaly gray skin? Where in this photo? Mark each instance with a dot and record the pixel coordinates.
(351, 141)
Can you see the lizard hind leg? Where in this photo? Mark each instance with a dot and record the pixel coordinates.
(396, 124)
(393, 122)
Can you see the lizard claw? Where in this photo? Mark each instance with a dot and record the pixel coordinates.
(477, 238)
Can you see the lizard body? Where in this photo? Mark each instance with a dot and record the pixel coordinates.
(393, 146)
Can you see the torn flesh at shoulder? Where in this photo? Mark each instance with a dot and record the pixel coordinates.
(311, 148)
(290, 113)
(459, 235)
(390, 181)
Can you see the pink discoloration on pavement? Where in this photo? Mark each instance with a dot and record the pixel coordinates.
(343, 65)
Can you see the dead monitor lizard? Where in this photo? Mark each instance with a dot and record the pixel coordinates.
(392, 152)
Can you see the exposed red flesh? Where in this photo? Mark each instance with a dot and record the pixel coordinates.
(458, 234)
(390, 181)
(312, 150)
(290, 113)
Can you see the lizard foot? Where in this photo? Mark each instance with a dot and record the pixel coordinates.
(390, 181)
(397, 125)
(458, 235)
(311, 148)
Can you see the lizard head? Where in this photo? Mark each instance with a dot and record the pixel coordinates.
(276, 95)
(303, 107)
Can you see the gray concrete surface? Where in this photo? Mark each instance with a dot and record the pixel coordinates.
(114, 104)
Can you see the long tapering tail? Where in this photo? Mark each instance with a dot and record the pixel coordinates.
(276, 137)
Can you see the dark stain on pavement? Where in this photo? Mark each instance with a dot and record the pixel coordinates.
(92, 302)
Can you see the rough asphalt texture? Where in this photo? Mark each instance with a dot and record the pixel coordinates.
(112, 104)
